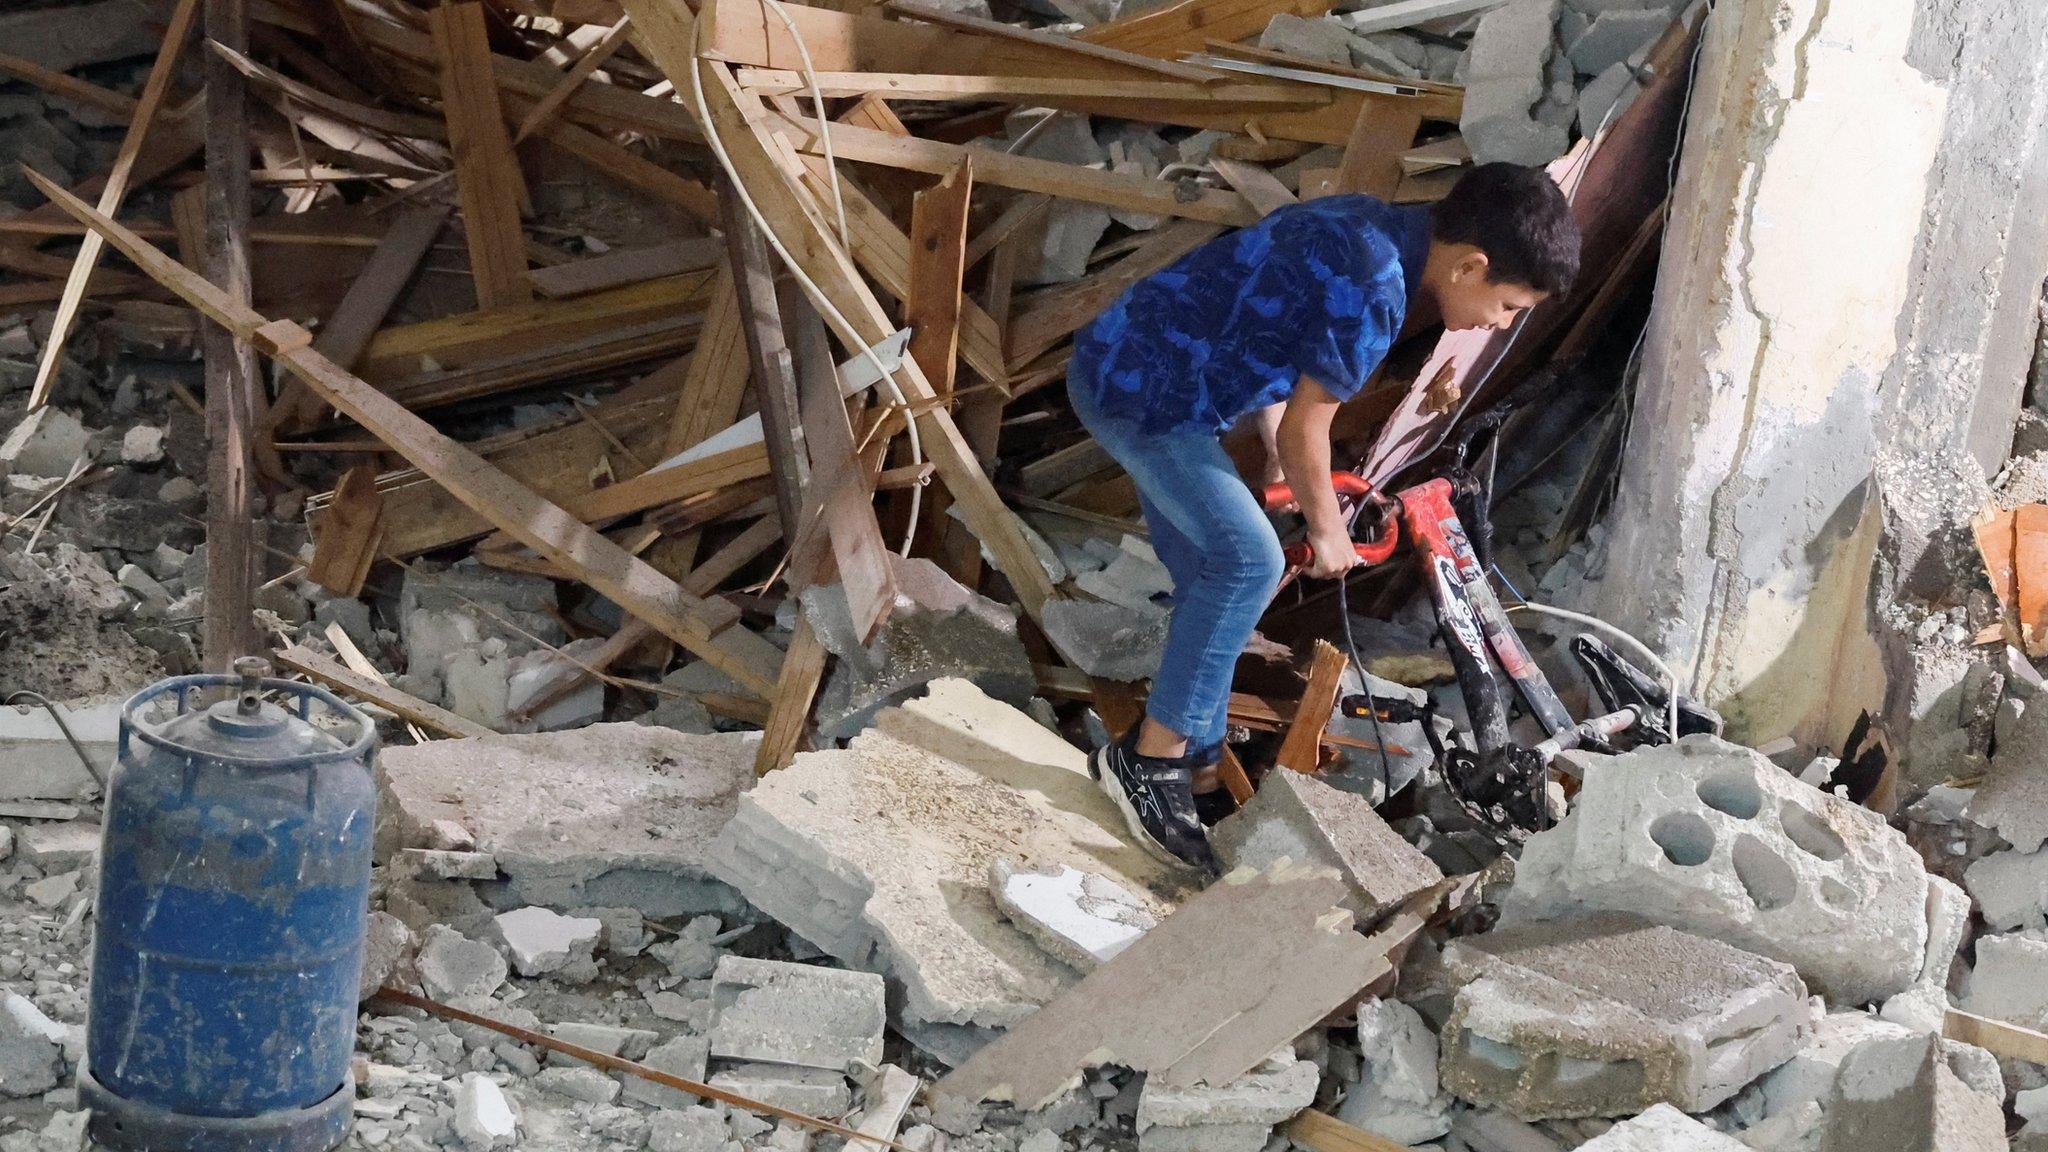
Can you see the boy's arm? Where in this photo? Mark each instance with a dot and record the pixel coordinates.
(1304, 447)
(1267, 420)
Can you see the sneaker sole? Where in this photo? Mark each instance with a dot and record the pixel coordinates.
(1110, 786)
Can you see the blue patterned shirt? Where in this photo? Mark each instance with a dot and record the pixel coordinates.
(1315, 289)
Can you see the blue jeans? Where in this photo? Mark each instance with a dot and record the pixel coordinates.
(1219, 547)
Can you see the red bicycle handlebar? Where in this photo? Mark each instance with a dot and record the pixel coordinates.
(1348, 484)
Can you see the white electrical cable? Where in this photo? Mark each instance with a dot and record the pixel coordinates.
(1640, 649)
(702, 108)
(803, 53)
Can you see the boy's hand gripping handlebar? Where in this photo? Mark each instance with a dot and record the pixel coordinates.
(1385, 526)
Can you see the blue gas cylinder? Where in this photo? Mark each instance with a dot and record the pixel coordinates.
(234, 890)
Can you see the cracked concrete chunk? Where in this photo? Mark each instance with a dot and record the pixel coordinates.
(1269, 1094)
(684, 1056)
(878, 854)
(1901, 1094)
(31, 1047)
(1079, 917)
(2006, 983)
(1662, 1128)
(812, 1091)
(46, 442)
(612, 814)
(483, 1117)
(1608, 1015)
(935, 629)
(779, 1013)
(1399, 1095)
(541, 941)
(1713, 838)
(1107, 640)
(454, 967)
(1298, 817)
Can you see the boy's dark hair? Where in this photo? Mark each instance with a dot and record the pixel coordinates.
(1517, 216)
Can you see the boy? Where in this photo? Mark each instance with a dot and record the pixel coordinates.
(1286, 318)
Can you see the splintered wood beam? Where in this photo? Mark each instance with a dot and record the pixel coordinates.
(410, 708)
(840, 502)
(1011, 89)
(706, 627)
(1254, 183)
(1301, 750)
(623, 266)
(370, 297)
(1028, 173)
(775, 388)
(116, 189)
(665, 31)
(1380, 136)
(783, 736)
(227, 629)
(545, 108)
(938, 257)
(715, 377)
(1322, 1132)
(487, 176)
(347, 533)
(1171, 31)
(68, 86)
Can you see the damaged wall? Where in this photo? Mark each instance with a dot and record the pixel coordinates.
(1830, 300)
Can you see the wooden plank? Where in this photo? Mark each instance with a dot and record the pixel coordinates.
(370, 297)
(347, 533)
(2008, 1041)
(1262, 188)
(487, 176)
(841, 498)
(938, 257)
(661, 486)
(227, 629)
(546, 107)
(1408, 13)
(1231, 770)
(623, 266)
(68, 86)
(1322, 1132)
(633, 170)
(1241, 969)
(705, 627)
(1301, 750)
(307, 662)
(1173, 30)
(783, 736)
(1013, 89)
(883, 251)
(306, 95)
(1093, 51)
(1028, 173)
(153, 91)
(1372, 157)
(743, 32)
(774, 371)
(807, 236)
(716, 375)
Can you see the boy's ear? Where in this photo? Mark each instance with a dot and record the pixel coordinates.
(1471, 268)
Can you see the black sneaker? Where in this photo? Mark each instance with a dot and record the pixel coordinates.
(1156, 796)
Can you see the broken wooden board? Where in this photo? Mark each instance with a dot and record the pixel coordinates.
(666, 31)
(622, 266)
(1170, 31)
(2004, 1040)
(1301, 749)
(707, 628)
(938, 255)
(1240, 970)
(1322, 1132)
(310, 663)
(783, 736)
(487, 175)
(347, 533)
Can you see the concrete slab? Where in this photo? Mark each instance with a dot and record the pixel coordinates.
(2013, 799)
(540, 940)
(454, 967)
(684, 1056)
(879, 854)
(1901, 1094)
(612, 814)
(1309, 38)
(1269, 1094)
(1613, 37)
(1713, 838)
(812, 1091)
(1662, 1129)
(1108, 640)
(1298, 817)
(60, 846)
(41, 764)
(778, 1013)
(1609, 1015)
(1505, 81)
(1080, 918)
(1398, 1095)
(2006, 983)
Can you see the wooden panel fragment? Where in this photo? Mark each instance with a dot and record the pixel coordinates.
(783, 736)
(707, 628)
(1244, 967)
(938, 256)
(1262, 188)
(1382, 134)
(347, 533)
(774, 370)
(487, 175)
(1301, 751)
(310, 663)
(623, 266)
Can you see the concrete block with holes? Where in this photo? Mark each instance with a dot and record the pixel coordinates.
(1715, 839)
(1611, 1014)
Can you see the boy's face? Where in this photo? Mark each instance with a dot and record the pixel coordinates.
(1468, 298)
